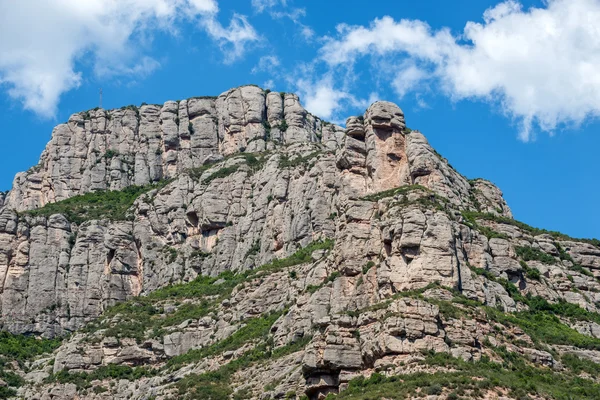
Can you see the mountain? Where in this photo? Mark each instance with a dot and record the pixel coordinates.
(239, 247)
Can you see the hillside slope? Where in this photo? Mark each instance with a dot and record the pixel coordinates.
(250, 250)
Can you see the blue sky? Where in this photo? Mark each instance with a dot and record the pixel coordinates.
(508, 91)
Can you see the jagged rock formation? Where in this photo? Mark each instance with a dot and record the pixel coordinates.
(248, 178)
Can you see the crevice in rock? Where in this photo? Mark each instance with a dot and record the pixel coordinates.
(192, 219)
(409, 253)
(394, 157)
(109, 257)
(458, 266)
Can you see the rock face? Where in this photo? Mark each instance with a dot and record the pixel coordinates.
(102, 149)
(247, 178)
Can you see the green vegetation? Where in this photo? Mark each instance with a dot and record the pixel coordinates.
(145, 314)
(283, 126)
(531, 273)
(133, 108)
(254, 160)
(267, 125)
(110, 154)
(255, 328)
(368, 266)
(221, 173)
(529, 253)
(19, 348)
(204, 98)
(470, 219)
(544, 327)
(563, 255)
(474, 379)
(111, 371)
(394, 192)
(301, 256)
(112, 205)
(254, 249)
(529, 229)
(332, 277)
(577, 365)
(216, 385)
(286, 162)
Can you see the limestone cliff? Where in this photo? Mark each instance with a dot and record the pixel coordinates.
(287, 254)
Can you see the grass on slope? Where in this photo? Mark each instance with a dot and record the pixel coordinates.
(216, 385)
(19, 348)
(473, 380)
(254, 160)
(527, 228)
(393, 192)
(105, 204)
(142, 314)
(111, 371)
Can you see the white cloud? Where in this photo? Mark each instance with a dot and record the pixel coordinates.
(307, 32)
(321, 98)
(266, 64)
(270, 84)
(407, 79)
(541, 65)
(295, 15)
(41, 41)
(235, 38)
(262, 5)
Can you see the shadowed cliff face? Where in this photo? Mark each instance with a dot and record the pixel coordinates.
(243, 180)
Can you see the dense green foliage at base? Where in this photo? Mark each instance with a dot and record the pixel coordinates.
(83, 379)
(216, 385)
(19, 348)
(474, 379)
(111, 205)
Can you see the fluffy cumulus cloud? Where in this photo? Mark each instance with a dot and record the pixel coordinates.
(41, 41)
(322, 98)
(540, 65)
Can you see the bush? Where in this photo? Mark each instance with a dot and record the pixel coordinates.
(111, 205)
(111, 371)
(286, 162)
(393, 192)
(110, 154)
(529, 253)
(514, 374)
(222, 173)
(19, 348)
(283, 126)
(142, 314)
(527, 228)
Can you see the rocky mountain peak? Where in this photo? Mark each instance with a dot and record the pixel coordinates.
(243, 238)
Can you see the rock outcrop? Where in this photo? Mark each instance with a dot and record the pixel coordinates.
(406, 252)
